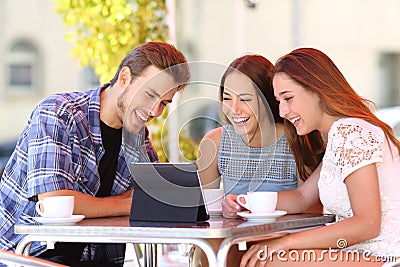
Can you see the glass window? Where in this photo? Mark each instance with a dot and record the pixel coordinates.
(389, 80)
(20, 75)
(22, 68)
(89, 79)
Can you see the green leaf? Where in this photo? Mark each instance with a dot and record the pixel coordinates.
(104, 31)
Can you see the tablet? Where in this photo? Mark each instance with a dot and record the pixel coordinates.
(167, 192)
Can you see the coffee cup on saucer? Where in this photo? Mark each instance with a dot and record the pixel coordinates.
(56, 206)
(258, 202)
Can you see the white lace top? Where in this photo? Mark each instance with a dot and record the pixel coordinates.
(354, 143)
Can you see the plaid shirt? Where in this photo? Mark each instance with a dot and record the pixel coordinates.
(60, 148)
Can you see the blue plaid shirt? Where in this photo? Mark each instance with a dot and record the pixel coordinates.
(60, 148)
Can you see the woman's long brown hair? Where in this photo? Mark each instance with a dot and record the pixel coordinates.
(316, 73)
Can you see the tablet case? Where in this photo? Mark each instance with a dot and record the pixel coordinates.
(167, 192)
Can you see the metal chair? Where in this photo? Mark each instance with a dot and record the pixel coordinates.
(137, 253)
(12, 259)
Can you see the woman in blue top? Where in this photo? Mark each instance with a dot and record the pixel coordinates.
(250, 152)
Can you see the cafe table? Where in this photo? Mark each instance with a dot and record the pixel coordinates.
(122, 230)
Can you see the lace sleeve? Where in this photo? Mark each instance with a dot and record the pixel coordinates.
(355, 146)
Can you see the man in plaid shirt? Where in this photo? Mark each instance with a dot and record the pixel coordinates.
(81, 143)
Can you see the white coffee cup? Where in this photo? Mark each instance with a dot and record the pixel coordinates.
(213, 198)
(56, 207)
(259, 202)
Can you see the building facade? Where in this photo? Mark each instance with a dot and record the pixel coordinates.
(362, 37)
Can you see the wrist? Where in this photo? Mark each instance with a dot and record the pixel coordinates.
(288, 242)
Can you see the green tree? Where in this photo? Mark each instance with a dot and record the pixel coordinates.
(104, 31)
(187, 147)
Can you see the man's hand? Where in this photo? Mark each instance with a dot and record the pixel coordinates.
(94, 207)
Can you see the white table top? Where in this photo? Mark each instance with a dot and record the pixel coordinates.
(122, 230)
(216, 227)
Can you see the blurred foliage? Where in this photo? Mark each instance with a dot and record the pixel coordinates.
(104, 31)
(188, 148)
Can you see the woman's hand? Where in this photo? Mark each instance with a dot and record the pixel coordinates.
(230, 207)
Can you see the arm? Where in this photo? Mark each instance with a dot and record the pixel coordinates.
(93, 207)
(302, 199)
(363, 188)
(316, 207)
(360, 177)
(207, 161)
(55, 165)
(305, 198)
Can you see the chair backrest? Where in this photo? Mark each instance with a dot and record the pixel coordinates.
(13, 259)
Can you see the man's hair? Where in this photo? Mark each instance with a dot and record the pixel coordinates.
(159, 54)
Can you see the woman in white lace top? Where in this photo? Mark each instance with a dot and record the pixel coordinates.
(358, 178)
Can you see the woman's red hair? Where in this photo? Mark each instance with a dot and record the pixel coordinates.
(316, 72)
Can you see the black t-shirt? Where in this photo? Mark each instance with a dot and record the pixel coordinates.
(112, 139)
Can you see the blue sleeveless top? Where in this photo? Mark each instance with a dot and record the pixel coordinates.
(245, 168)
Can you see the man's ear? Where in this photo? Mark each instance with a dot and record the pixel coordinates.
(124, 76)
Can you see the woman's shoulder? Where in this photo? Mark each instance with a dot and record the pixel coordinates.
(214, 134)
(351, 124)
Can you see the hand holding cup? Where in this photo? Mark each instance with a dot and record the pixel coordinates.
(259, 202)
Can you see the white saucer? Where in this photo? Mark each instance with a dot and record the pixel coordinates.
(215, 212)
(263, 216)
(60, 221)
